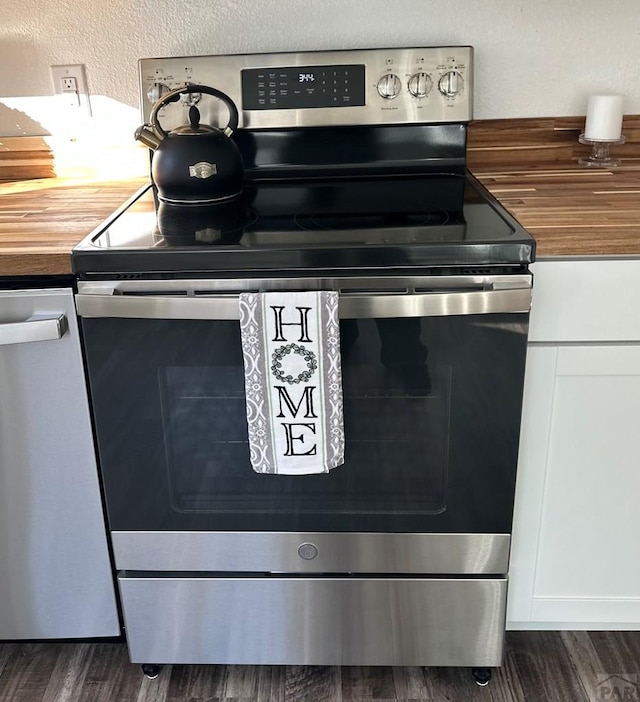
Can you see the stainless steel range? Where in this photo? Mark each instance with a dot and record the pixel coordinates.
(355, 181)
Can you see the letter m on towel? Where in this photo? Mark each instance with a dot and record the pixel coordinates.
(307, 398)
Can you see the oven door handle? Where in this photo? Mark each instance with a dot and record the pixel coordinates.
(355, 306)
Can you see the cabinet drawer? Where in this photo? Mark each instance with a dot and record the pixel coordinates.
(583, 301)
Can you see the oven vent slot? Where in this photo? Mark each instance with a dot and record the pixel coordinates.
(147, 293)
(130, 276)
(219, 293)
(230, 292)
(452, 289)
(373, 291)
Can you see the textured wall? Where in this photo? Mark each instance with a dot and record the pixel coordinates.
(532, 58)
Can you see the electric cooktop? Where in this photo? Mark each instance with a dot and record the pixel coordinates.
(425, 220)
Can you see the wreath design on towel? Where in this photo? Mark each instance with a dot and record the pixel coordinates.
(278, 356)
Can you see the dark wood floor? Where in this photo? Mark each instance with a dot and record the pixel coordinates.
(545, 666)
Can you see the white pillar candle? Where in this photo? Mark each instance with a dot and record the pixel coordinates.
(604, 118)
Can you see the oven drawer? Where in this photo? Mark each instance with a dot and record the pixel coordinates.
(313, 621)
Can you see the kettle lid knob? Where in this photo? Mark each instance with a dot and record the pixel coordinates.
(194, 127)
(194, 117)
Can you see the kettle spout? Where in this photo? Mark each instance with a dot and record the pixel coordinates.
(147, 136)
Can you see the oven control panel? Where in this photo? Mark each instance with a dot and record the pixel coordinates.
(319, 88)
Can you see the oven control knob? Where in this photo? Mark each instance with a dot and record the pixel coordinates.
(450, 84)
(389, 86)
(307, 551)
(420, 84)
(156, 91)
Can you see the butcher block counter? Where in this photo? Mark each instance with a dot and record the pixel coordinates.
(529, 165)
(42, 220)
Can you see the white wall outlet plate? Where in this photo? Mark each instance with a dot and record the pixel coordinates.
(70, 81)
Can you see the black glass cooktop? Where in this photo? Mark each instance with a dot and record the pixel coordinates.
(391, 221)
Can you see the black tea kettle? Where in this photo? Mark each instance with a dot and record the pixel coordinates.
(195, 164)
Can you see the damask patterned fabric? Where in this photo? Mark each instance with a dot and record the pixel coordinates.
(293, 381)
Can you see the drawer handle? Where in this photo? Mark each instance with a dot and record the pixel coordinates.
(39, 327)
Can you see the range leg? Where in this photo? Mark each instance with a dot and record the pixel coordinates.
(481, 676)
(151, 670)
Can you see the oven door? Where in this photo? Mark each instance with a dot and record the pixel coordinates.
(433, 371)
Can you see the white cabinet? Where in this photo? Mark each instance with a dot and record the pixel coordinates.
(575, 555)
(55, 573)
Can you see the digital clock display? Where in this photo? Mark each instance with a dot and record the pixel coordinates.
(298, 87)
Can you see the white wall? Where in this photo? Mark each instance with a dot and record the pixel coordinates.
(533, 57)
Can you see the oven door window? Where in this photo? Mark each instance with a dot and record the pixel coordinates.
(432, 414)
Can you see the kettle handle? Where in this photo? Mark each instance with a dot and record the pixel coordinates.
(174, 96)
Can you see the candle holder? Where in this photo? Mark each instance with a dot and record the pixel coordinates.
(600, 156)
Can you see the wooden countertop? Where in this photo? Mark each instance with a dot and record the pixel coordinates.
(530, 166)
(571, 211)
(42, 220)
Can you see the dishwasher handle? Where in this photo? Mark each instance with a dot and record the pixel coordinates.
(38, 327)
(369, 306)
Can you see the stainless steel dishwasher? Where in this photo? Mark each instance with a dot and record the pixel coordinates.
(55, 573)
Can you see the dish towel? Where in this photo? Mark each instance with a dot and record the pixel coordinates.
(293, 381)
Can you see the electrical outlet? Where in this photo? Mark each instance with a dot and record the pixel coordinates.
(70, 81)
(69, 85)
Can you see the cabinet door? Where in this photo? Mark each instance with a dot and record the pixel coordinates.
(55, 574)
(574, 558)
